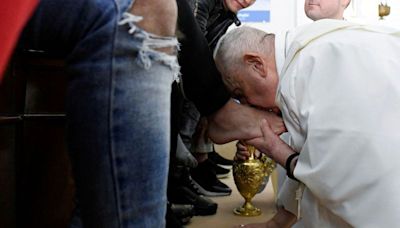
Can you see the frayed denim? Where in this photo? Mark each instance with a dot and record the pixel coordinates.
(118, 107)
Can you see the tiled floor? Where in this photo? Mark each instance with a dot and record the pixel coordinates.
(225, 217)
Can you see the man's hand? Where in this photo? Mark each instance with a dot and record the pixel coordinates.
(242, 153)
(270, 144)
(240, 122)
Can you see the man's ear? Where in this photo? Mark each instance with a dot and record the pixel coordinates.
(256, 62)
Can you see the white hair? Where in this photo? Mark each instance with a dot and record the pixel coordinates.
(234, 44)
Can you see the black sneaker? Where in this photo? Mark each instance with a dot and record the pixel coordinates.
(220, 171)
(187, 181)
(205, 177)
(183, 190)
(184, 212)
(171, 220)
(202, 205)
(219, 160)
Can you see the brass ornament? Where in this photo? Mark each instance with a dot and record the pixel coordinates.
(249, 176)
(383, 10)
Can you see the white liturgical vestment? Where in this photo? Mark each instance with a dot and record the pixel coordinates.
(339, 93)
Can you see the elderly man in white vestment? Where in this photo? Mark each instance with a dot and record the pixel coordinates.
(315, 10)
(339, 94)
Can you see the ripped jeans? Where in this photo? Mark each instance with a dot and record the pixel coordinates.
(118, 107)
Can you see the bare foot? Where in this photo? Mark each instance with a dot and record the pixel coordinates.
(235, 121)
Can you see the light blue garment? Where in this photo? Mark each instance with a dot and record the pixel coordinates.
(118, 107)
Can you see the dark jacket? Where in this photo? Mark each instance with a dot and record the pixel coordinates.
(201, 80)
(213, 19)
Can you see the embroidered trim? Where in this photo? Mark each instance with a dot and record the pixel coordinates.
(299, 196)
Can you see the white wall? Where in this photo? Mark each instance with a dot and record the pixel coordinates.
(366, 11)
(283, 16)
(287, 14)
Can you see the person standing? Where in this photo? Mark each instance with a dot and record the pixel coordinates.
(214, 18)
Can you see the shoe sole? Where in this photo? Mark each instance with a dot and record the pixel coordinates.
(222, 176)
(225, 166)
(209, 210)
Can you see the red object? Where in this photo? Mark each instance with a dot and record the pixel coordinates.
(13, 16)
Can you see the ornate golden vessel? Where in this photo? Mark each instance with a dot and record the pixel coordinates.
(384, 10)
(248, 176)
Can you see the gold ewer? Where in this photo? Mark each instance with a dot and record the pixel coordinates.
(248, 176)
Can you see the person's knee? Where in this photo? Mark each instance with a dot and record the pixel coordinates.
(159, 16)
(158, 19)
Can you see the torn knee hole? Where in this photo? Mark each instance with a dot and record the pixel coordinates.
(152, 47)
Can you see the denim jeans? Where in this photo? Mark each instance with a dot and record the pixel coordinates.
(190, 117)
(118, 107)
(193, 131)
